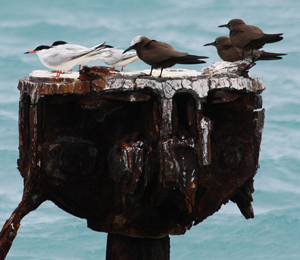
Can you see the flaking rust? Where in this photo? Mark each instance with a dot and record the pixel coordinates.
(143, 162)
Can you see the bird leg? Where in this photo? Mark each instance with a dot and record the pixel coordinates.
(150, 71)
(242, 55)
(144, 74)
(57, 74)
(160, 72)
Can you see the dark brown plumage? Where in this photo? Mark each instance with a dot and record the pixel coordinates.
(249, 37)
(160, 54)
(228, 52)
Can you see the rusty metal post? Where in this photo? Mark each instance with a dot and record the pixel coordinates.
(138, 157)
(123, 248)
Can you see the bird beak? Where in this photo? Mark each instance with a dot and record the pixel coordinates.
(223, 25)
(211, 43)
(29, 52)
(128, 49)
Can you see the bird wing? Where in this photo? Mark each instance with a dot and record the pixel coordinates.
(95, 57)
(55, 58)
(187, 59)
(116, 56)
(72, 47)
(58, 56)
(90, 52)
(229, 53)
(253, 32)
(242, 36)
(156, 52)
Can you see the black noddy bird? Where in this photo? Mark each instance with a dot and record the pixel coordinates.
(228, 52)
(160, 54)
(249, 37)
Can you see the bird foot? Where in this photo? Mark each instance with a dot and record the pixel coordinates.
(57, 74)
(143, 74)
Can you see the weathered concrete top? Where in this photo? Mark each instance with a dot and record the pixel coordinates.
(229, 75)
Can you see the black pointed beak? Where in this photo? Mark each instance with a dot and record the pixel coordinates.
(223, 25)
(211, 43)
(128, 49)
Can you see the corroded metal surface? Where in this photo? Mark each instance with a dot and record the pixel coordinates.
(141, 156)
(123, 248)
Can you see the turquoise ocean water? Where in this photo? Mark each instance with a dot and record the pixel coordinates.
(50, 233)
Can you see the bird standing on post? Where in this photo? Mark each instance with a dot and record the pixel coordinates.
(160, 54)
(63, 58)
(120, 59)
(249, 37)
(228, 52)
(105, 52)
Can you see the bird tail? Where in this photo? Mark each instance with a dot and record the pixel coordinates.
(267, 38)
(270, 38)
(92, 51)
(99, 46)
(101, 50)
(189, 59)
(270, 56)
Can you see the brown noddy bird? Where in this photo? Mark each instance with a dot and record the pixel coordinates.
(249, 37)
(160, 54)
(228, 52)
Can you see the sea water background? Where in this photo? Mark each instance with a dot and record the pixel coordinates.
(50, 233)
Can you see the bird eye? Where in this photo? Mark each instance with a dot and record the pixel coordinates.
(229, 24)
(216, 42)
